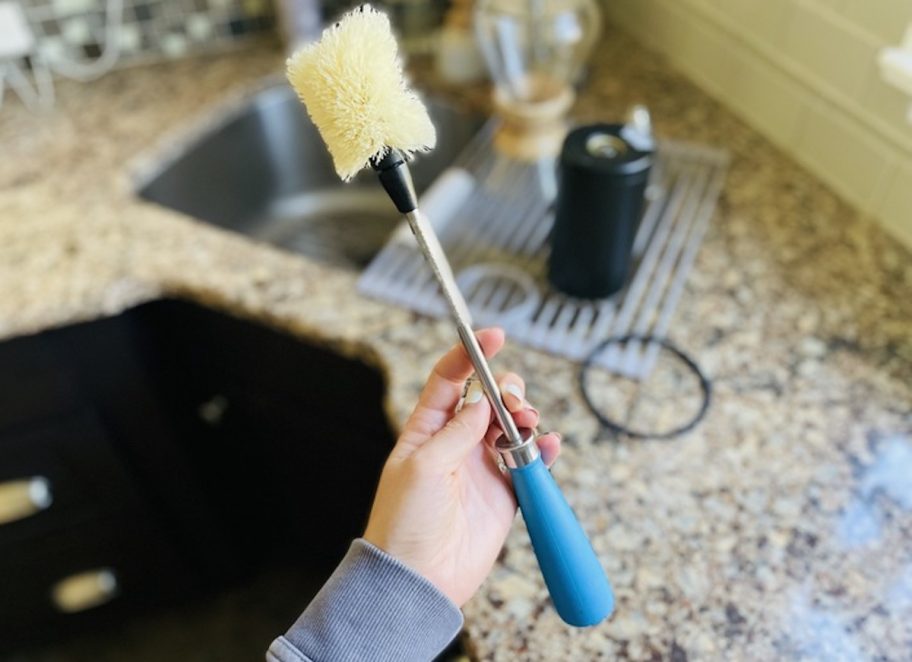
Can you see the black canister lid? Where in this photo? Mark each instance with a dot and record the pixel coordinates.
(600, 148)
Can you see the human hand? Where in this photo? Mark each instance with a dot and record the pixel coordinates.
(443, 507)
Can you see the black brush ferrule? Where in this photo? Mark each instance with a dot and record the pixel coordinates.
(396, 178)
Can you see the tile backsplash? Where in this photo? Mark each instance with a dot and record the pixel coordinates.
(804, 73)
(149, 29)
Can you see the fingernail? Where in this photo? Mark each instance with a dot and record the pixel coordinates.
(516, 392)
(474, 394)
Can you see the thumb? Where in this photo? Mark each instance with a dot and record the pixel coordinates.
(452, 445)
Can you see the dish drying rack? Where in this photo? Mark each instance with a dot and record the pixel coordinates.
(494, 215)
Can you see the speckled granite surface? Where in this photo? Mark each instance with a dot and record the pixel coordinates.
(780, 528)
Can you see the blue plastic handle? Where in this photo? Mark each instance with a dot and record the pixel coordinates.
(578, 585)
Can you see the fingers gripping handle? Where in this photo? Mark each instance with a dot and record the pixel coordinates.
(578, 585)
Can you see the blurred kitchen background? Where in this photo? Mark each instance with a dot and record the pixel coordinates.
(826, 81)
(175, 349)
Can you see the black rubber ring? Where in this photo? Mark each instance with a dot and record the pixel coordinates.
(618, 429)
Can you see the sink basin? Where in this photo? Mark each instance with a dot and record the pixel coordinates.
(264, 171)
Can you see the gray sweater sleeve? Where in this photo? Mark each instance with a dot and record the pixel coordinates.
(372, 608)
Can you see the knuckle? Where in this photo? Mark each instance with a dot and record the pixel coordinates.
(460, 426)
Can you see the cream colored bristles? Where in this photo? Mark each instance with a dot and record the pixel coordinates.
(352, 85)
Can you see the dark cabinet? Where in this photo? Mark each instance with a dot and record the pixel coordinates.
(82, 474)
(82, 574)
(34, 383)
(171, 449)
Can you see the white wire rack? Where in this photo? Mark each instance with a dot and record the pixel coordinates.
(494, 216)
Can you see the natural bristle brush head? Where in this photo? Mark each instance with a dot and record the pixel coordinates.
(352, 84)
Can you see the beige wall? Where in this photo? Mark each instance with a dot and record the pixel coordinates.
(804, 73)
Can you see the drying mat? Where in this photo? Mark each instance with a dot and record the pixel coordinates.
(494, 215)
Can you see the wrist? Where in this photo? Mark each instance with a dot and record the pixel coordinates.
(371, 600)
(416, 560)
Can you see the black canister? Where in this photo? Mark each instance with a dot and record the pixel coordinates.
(602, 181)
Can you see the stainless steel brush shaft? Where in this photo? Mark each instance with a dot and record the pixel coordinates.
(440, 266)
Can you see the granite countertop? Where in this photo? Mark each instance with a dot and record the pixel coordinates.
(780, 527)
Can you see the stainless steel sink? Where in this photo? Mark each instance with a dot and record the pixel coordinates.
(264, 171)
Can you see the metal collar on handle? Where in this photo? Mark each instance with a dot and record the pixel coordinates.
(518, 455)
